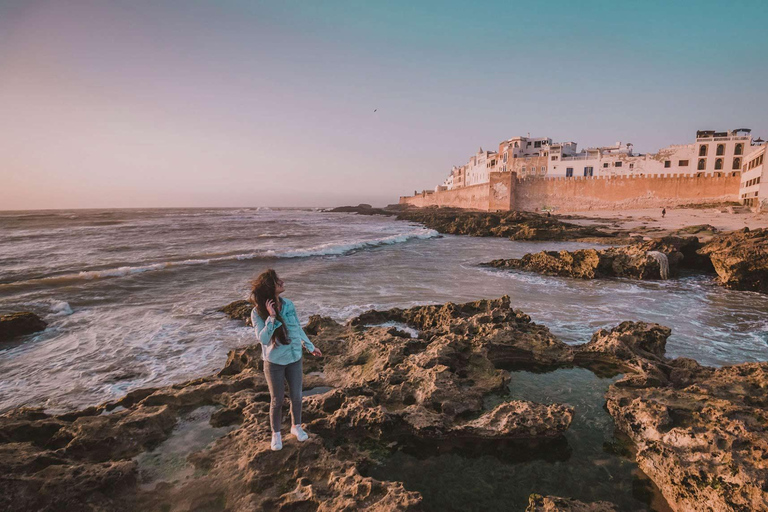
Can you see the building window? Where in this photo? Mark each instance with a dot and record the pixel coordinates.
(588, 171)
(703, 150)
(702, 164)
(522, 170)
(605, 165)
(528, 145)
(569, 172)
(667, 164)
(739, 149)
(720, 149)
(718, 164)
(736, 163)
(631, 165)
(682, 163)
(554, 158)
(617, 164)
(543, 170)
(537, 144)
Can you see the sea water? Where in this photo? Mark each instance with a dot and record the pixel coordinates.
(131, 296)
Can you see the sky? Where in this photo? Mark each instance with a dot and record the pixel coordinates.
(184, 103)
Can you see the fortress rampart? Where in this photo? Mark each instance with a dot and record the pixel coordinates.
(505, 191)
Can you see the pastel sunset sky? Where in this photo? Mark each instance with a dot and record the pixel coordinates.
(243, 103)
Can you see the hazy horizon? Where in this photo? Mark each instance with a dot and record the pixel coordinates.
(173, 104)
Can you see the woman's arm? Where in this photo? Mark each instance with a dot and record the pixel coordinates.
(264, 330)
(304, 338)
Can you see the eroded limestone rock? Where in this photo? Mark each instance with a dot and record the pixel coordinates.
(538, 503)
(384, 388)
(515, 225)
(740, 259)
(701, 433)
(637, 261)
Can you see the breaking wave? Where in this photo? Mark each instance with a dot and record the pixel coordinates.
(329, 249)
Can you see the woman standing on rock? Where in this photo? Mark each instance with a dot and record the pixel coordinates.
(281, 336)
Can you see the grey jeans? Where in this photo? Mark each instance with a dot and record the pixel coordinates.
(276, 375)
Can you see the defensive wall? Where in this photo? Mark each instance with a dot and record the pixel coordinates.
(505, 191)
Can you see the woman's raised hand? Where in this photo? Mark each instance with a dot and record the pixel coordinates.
(271, 308)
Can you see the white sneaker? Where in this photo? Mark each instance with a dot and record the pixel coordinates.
(277, 441)
(301, 436)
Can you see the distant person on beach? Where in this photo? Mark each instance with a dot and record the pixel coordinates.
(663, 212)
(281, 336)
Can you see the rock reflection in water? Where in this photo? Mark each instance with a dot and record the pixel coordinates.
(168, 462)
(589, 463)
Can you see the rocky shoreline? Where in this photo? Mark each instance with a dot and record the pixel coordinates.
(701, 434)
(515, 225)
(740, 260)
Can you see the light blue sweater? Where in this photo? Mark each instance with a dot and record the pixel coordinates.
(275, 352)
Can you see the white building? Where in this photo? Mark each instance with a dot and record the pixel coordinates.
(722, 151)
(713, 153)
(521, 147)
(601, 161)
(753, 190)
(478, 169)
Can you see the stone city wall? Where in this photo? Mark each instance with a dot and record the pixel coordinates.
(505, 191)
(473, 197)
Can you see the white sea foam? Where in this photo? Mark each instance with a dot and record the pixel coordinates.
(345, 248)
(60, 308)
(329, 249)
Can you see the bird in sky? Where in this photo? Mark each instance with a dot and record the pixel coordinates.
(375, 109)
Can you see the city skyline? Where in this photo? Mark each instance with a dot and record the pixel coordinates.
(152, 104)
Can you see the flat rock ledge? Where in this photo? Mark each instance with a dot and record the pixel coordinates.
(380, 389)
(515, 225)
(655, 259)
(14, 325)
(538, 503)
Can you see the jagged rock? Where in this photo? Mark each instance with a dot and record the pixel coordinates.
(519, 419)
(740, 259)
(701, 433)
(515, 225)
(638, 261)
(238, 310)
(384, 388)
(18, 324)
(538, 503)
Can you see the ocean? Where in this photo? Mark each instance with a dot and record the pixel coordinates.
(131, 296)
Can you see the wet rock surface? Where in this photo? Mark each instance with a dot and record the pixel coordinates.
(644, 260)
(363, 209)
(700, 432)
(14, 325)
(386, 388)
(740, 259)
(515, 225)
(538, 503)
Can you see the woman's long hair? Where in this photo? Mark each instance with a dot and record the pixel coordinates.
(263, 290)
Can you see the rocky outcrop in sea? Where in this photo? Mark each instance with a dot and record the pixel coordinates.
(655, 259)
(740, 259)
(700, 433)
(515, 225)
(14, 325)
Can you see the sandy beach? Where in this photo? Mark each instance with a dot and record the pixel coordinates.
(650, 222)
